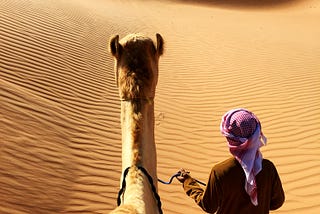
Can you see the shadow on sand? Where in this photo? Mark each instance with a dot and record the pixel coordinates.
(251, 4)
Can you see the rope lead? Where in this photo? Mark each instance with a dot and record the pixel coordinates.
(153, 188)
(176, 175)
(156, 195)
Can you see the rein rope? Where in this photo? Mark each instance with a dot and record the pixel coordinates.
(153, 188)
(176, 175)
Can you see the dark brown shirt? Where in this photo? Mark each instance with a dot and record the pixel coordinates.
(225, 191)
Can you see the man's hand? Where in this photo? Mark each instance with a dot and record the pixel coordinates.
(183, 175)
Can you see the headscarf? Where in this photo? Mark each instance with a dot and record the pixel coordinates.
(243, 132)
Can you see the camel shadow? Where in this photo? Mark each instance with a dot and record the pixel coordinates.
(252, 4)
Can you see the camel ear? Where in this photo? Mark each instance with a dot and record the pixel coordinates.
(159, 44)
(115, 47)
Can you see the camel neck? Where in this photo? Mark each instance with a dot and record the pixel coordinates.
(138, 150)
(138, 146)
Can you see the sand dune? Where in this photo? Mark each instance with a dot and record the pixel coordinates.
(60, 127)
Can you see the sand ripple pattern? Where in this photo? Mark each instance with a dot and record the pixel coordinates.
(60, 138)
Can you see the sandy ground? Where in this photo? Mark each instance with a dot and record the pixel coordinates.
(60, 112)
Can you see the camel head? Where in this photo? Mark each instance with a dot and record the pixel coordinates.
(136, 65)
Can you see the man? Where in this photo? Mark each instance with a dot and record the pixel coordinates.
(245, 183)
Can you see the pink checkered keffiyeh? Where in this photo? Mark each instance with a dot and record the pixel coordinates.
(243, 132)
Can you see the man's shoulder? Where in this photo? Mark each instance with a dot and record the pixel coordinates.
(268, 166)
(225, 165)
(267, 163)
(229, 161)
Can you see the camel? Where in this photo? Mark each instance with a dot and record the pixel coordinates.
(136, 73)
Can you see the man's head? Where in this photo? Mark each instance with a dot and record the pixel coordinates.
(238, 125)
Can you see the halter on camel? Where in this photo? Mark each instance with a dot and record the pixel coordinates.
(123, 186)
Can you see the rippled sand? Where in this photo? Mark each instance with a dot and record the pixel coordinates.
(60, 112)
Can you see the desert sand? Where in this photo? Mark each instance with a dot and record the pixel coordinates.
(60, 138)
